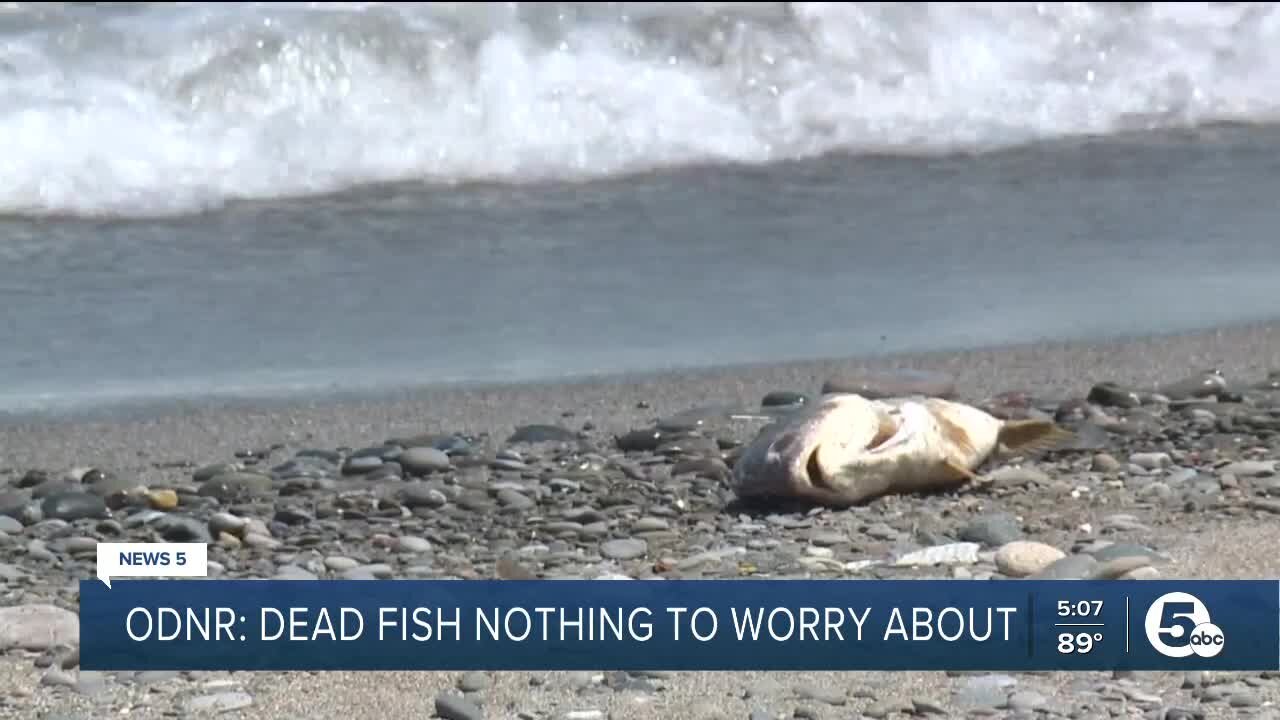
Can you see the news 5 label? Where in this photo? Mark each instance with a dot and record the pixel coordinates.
(152, 560)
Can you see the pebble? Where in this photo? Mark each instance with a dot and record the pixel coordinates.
(449, 706)
(224, 522)
(1250, 468)
(1011, 476)
(338, 563)
(1117, 567)
(964, 553)
(991, 530)
(1244, 699)
(1071, 567)
(515, 500)
(38, 627)
(420, 494)
(1026, 700)
(412, 544)
(474, 682)
(1151, 460)
(984, 691)
(541, 434)
(782, 398)
(1021, 558)
(826, 695)
(73, 506)
(162, 499)
(650, 524)
(221, 702)
(229, 487)
(1109, 394)
(208, 472)
(624, 549)
(1105, 463)
(9, 526)
(181, 529)
(1119, 550)
(418, 461)
(361, 464)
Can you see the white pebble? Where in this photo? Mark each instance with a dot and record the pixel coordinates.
(1021, 558)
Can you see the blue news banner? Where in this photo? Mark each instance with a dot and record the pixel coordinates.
(679, 625)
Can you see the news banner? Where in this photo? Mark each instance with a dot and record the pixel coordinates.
(132, 619)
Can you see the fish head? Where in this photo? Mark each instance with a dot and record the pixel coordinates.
(802, 455)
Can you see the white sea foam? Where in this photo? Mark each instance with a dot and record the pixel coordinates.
(144, 109)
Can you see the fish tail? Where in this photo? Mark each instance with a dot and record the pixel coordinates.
(1032, 435)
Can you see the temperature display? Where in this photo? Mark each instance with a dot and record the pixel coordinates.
(1079, 643)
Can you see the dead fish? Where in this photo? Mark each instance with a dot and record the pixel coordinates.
(848, 449)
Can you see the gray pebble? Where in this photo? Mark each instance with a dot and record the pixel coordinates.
(984, 691)
(424, 460)
(1250, 468)
(455, 707)
(38, 627)
(1026, 700)
(293, 572)
(57, 677)
(1071, 567)
(222, 702)
(624, 549)
(925, 706)
(514, 500)
(1017, 476)
(541, 434)
(80, 546)
(1244, 699)
(1151, 460)
(412, 544)
(650, 524)
(826, 695)
(992, 530)
(509, 464)
(73, 506)
(1119, 550)
(232, 486)
(338, 563)
(420, 494)
(223, 522)
(474, 682)
(208, 472)
(182, 529)
(9, 526)
(361, 464)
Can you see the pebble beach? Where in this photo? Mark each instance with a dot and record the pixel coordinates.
(1171, 473)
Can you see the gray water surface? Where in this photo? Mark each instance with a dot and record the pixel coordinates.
(410, 285)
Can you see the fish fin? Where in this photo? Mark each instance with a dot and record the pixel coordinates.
(960, 470)
(1029, 436)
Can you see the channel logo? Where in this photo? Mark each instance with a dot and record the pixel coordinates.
(1178, 626)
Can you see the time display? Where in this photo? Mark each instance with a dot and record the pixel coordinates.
(1080, 608)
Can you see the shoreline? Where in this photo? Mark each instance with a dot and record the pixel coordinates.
(192, 430)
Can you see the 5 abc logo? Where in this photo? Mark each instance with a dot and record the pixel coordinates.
(1178, 626)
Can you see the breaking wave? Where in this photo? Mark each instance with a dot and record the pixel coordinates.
(142, 109)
